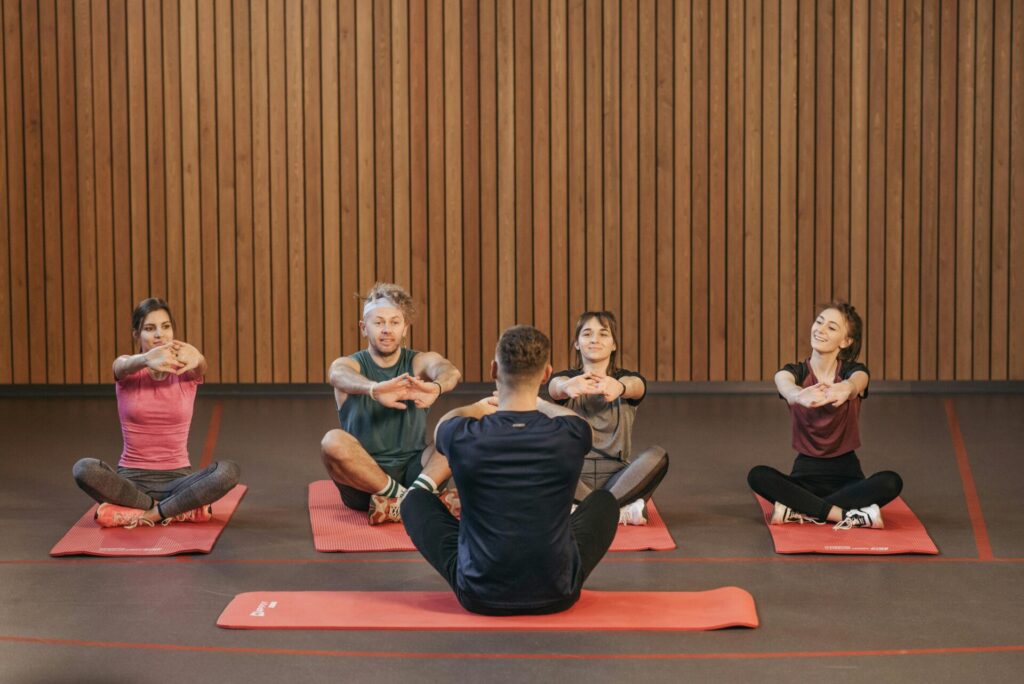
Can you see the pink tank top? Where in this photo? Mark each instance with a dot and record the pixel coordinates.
(155, 418)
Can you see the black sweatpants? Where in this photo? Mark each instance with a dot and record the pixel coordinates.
(435, 532)
(817, 484)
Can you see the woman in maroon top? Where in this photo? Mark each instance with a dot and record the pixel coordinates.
(824, 394)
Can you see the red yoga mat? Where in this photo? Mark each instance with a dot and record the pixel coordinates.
(337, 528)
(88, 538)
(903, 533)
(439, 610)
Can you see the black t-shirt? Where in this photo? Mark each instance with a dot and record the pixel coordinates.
(516, 472)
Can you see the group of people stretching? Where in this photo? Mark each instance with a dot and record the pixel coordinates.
(517, 498)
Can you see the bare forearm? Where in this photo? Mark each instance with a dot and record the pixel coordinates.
(553, 410)
(349, 381)
(634, 387)
(787, 386)
(128, 364)
(447, 376)
(556, 388)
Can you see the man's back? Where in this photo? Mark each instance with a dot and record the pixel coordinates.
(516, 472)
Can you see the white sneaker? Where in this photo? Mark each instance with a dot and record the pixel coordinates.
(634, 513)
(869, 516)
(783, 514)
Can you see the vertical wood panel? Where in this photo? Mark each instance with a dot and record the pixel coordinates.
(859, 127)
(874, 346)
(471, 200)
(769, 319)
(981, 268)
(523, 155)
(77, 22)
(701, 189)
(192, 306)
(208, 187)
(151, 71)
(488, 186)
(454, 333)
(312, 181)
(436, 262)
(278, 134)
(611, 143)
(226, 193)
(593, 135)
(928, 330)
(351, 311)
(541, 174)
(965, 158)
(400, 132)
(948, 41)
(330, 151)
(243, 157)
(717, 177)
(752, 217)
(682, 180)
(1002, 21)
(735, 265)
(382, 136)
(823, 152)
(664, 162)
(50, 227)
(560, 313)
(577, 159)
(5, 292)
(34, 279)
(841, 162)
(894, 188)
(788, 73)
(120, 180)
(806, 178)
(262, 270)
(911, 247)
(295, 196)
(629, 189)
(172, 143)
(647, 261)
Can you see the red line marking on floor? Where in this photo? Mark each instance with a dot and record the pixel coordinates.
(164, 560)
(774, 655)
(970, 491)
(211, 435)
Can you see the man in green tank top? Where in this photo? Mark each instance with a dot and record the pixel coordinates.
(383, 393)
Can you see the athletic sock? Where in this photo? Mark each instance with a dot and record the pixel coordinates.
(424, 482)
(391, 489)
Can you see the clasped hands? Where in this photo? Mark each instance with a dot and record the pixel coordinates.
(594, 383)
(395, 392)
(175, 357)
(825, 393)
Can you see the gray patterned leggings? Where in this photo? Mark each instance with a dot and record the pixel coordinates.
(174, 491)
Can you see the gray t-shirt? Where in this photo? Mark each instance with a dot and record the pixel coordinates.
(612, 422)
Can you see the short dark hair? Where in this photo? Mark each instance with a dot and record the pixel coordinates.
(854, 326)
(146, 307)
(522, 352)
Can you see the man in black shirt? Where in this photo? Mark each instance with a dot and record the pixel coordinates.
(516, 460)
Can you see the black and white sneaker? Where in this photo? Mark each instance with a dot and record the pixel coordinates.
(869, 516)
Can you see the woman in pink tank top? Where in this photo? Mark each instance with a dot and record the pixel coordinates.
(156, 390)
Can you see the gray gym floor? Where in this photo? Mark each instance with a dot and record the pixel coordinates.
(948, 618)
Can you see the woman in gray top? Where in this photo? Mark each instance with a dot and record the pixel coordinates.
(608, 396)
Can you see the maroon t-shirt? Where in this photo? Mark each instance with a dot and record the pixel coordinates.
(825, 431)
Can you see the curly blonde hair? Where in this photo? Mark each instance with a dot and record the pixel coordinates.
(393, 293)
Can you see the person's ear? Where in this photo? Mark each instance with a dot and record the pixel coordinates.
(547, 374)
(362, 328)
(494, 369)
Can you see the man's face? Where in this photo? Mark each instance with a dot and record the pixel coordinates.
(384, 328)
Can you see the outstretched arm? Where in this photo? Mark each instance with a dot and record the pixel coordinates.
(345, 378)
(811, 397)
(432, 375)
(476, 411)
(162, 359)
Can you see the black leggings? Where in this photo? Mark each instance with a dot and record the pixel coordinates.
(435, 532)
(818, 484)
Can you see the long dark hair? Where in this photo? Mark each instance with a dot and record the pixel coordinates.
(146, 307)
(605, 318)
(854, 326)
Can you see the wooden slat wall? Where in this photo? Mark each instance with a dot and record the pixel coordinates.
(709, 170)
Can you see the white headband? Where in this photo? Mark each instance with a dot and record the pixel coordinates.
(371, 304)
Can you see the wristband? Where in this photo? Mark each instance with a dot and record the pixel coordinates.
(440, 390)
(371, 391)
(623, 386)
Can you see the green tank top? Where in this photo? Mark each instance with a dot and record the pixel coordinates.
(393, 437)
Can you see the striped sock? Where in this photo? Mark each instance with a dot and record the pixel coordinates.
(391, 489)
(424, 482)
